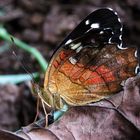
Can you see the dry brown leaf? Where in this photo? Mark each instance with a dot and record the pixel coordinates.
(116, 118)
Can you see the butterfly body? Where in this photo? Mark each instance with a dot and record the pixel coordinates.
(91, 63)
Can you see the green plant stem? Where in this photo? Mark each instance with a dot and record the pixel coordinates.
(6, 36)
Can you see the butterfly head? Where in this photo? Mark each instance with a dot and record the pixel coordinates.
(49, 99)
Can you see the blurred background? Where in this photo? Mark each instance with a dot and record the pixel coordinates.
(44, 24)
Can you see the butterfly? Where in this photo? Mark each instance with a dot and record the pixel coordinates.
(90, 64)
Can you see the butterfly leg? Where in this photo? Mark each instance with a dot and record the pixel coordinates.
(37, 109)
(49, 118)
(46, 114)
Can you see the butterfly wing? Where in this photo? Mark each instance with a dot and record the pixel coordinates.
(98, 20)
(90, 63)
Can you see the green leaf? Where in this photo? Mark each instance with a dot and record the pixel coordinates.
(17, 78)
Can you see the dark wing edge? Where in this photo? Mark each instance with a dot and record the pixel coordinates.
(101, 19)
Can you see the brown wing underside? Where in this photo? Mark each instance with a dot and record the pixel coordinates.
(96, 75)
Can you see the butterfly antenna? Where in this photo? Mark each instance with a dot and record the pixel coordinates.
(29, 73)
(21, 62)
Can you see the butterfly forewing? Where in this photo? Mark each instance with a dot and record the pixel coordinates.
(89, 64)
(98, 20)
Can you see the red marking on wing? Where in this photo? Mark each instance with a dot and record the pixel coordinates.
(85, 75)
(92, 68)
(102, 69)
(55, 64)
(62, 55)
(76, 72)
(106, 73)
(70, 70)
(109, 77)
(101, 75)
(94, 78)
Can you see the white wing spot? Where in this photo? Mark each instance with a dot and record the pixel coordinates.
(109, 41)
(101, 32)
(72, 60)
(69, 41)
(79, 49)
(71, 45)
(137, 69)
(75, 46)
(116, 13)
(136, 53)
(110, 9)
(95, 25)
(120, 47)
(120, 37)
(121, 29)
(87, 22)
(119, 19)
(107, 28)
